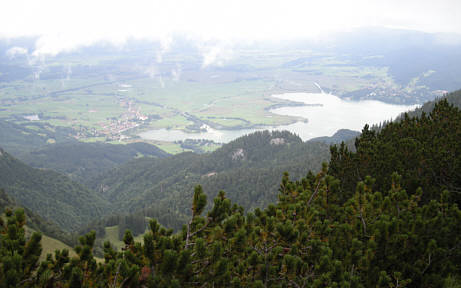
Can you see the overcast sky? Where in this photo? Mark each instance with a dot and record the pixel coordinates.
(65, 25)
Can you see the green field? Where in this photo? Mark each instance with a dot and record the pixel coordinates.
(49, 245)
(112, 237)
(113, 97)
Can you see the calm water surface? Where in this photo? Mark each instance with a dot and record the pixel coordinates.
(325, 114)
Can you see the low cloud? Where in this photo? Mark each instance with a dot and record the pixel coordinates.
(16, 51)
(161, 82)
(60, 26)
(150, 71)
(176, 73)
(68, 73)
(153, 73)
(165, 44)
(216, 55)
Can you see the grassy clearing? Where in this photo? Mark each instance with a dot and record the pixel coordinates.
(170, 147)
(211, 147)
(112, 237)
(49, 245)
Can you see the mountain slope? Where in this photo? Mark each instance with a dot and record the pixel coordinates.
(34, 221)
(19, 138)
(424, 150)
(81, 161)
(342, 135)
(248, 169)
(453, 98)
(50, 194)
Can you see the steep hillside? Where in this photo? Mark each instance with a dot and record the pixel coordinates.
(425, 150)
(19, 138)
(248, 169)
(36, 222)
(50, 194)
(453, 98)
(81, 161)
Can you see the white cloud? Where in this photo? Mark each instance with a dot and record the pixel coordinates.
(67, 25)
(161, 82)
(165, 44)
(14, 51)
(68, 72)
(176, 73)
(216, 54)
(151, 71)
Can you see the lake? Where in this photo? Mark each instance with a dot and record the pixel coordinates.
(328, 113)
(325, 114)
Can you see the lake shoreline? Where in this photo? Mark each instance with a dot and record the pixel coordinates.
(323, 114)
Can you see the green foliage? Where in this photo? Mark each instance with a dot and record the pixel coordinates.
(310, 238)
(426, 151)
(199, 202)
(35, 221)
(18, 138)
(50, 194)
(248, 169)
(18, 256)
(82, 161)
(453, 98)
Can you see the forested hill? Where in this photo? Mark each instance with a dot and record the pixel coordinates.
(35, 221)
(50, 194)
(20, 138)
(248, 169)
(341, 135)
(425, 150)
(82, 161)
(453, 98)
(399, 227)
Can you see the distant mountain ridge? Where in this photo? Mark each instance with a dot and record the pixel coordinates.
(82, 161)
(20, 138)
(341, 135)
(453, 98)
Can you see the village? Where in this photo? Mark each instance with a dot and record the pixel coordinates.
(113, 128)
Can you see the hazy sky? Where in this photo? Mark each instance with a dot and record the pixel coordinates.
(64, 25)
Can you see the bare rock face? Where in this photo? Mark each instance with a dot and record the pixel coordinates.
(104, 188)
(277, 141)
(238, 154)
(210, 174)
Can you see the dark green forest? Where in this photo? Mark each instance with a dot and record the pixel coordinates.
(19, 138)
(37, 222)
(50, 194)
(248, 169)
(425, 150)
(384, 215)
(153, 186)
(82, 161)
